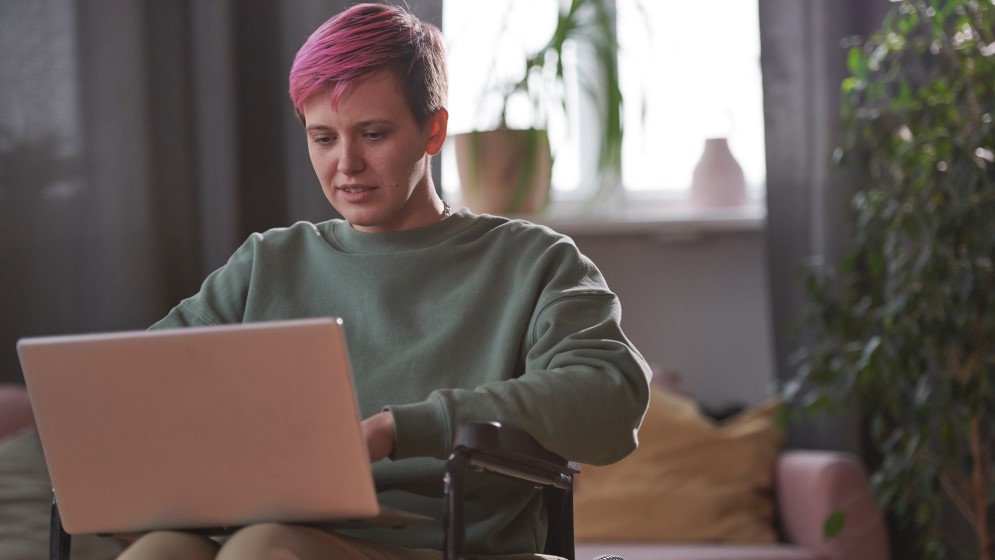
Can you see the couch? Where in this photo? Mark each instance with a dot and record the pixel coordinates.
(809, 486)
(15, 409)
(698, 488)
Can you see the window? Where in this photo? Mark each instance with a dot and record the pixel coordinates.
(696, 66)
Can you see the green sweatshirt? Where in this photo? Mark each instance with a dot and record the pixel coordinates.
(475, 318)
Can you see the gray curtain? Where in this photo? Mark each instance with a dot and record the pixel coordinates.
(804, 61)
(140, 142)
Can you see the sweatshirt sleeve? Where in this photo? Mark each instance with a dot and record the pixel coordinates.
(584, 389)
(221, 298)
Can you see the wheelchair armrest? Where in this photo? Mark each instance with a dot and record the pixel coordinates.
(509, 452)
(506, 450)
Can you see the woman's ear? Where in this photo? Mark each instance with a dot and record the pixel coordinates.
(437, 125)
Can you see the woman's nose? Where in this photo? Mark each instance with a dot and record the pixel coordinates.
(350, 158)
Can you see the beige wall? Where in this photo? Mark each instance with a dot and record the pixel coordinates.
(697, 305)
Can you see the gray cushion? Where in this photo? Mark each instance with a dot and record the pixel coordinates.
(25, 505)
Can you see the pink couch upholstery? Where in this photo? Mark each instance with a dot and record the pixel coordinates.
(15, 409)
(810, 486)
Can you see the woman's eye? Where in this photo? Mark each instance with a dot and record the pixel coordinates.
(322, 140)
(374, 135)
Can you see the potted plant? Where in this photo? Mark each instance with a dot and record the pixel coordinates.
(503, 170)
(904, 330)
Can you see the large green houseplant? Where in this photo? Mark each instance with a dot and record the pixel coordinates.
(508, 171)
(904, 329)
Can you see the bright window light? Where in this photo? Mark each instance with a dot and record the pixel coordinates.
(695, 67)
(699, 69)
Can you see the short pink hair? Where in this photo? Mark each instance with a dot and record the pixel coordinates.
(368, 38)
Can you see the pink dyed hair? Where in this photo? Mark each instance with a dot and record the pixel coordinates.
(368, 38)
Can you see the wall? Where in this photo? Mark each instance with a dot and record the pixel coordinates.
(697, 305)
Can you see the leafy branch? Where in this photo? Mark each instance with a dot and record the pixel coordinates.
(903, 327)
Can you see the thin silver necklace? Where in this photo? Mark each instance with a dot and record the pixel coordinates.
(446, 211)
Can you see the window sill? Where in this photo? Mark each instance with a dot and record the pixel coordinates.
(672, 220)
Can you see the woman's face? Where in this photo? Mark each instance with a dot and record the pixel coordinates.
(372, 158)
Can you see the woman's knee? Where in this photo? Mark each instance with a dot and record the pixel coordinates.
(170, 545)
(273, 541)
(264, 541)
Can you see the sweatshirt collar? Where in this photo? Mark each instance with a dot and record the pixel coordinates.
(344, 237)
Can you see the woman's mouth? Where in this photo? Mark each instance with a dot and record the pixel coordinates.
(356, 193)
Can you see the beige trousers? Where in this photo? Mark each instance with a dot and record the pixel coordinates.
(272, 541)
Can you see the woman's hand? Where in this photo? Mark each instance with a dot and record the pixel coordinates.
(378, 430)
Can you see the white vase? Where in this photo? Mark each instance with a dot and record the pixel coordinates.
(718, 178)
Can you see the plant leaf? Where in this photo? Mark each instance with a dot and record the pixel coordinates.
(833, 525)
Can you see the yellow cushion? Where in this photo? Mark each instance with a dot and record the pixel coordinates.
(690, 480)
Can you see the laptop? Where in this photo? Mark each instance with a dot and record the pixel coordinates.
(203, 427)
